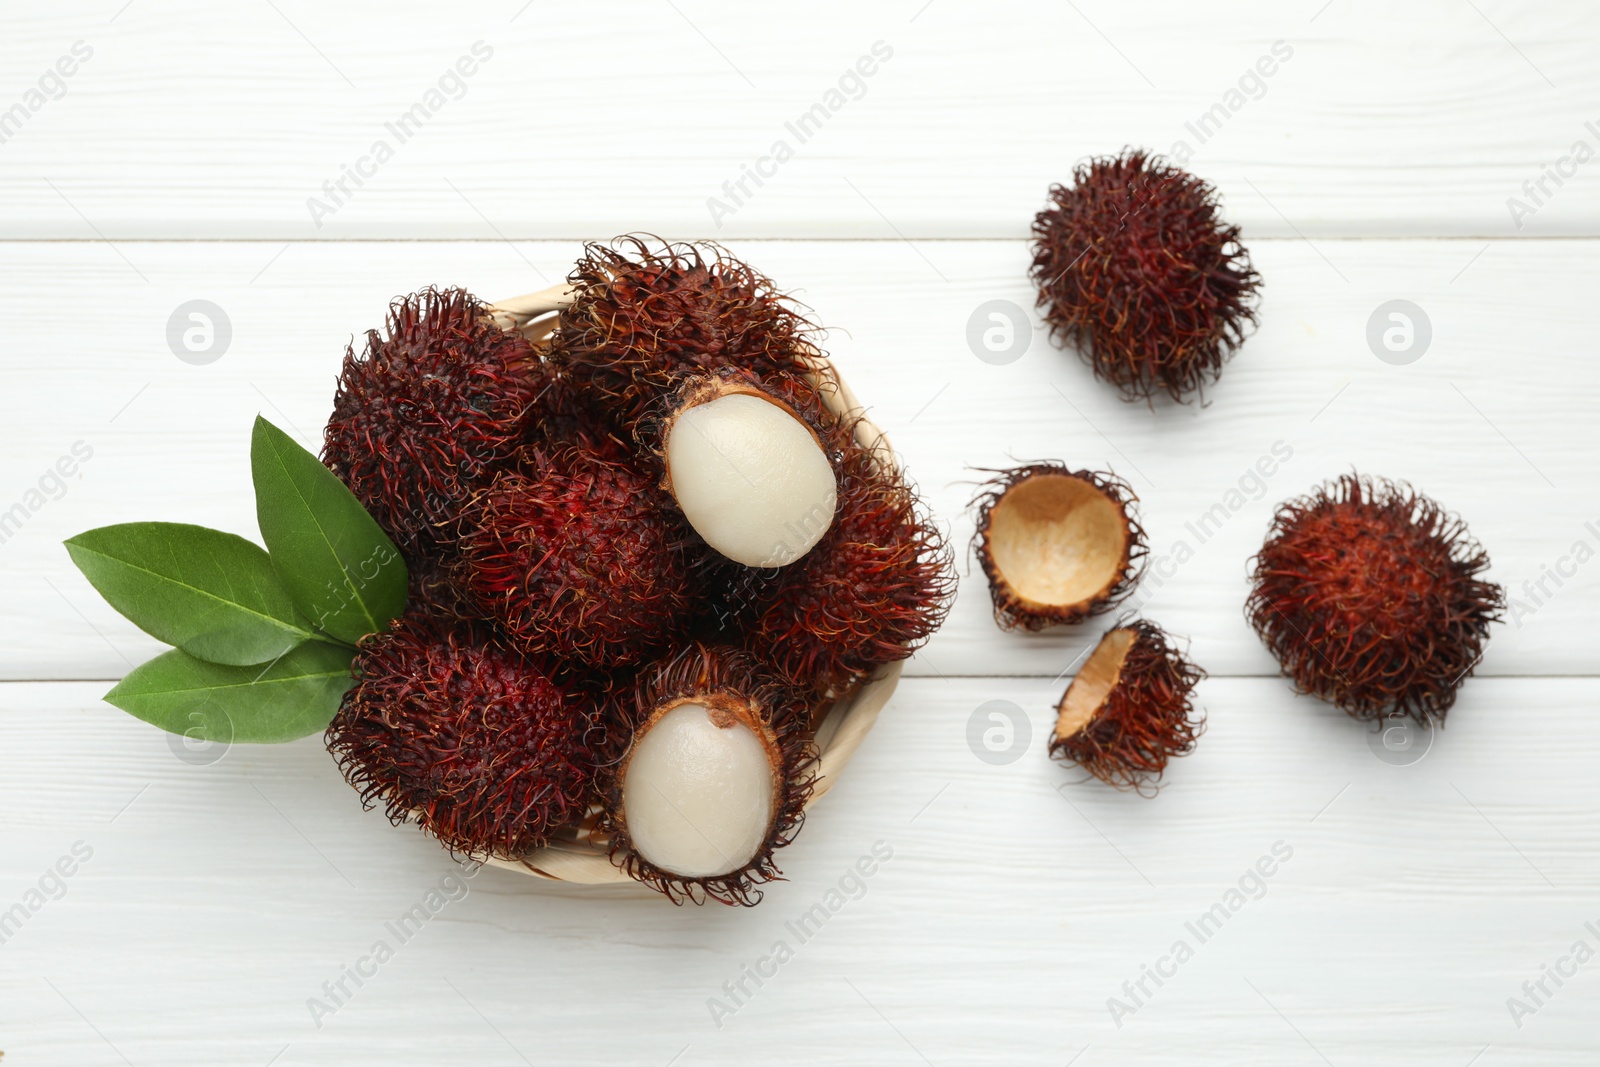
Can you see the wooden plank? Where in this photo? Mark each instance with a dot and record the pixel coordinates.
(1015, 904)
(190, 120)
(1493, 419)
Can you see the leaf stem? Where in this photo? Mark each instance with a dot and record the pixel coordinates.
(318, 635)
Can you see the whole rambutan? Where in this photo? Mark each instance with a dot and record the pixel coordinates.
(1129, 709)
(428, 412)
(1371, 596)
(566, 413)
(1057, 545)
(644, 315)
(1135, 265)
(875, 587)
(579, 555)
(433, 591)
(713, 779)
(484, 750)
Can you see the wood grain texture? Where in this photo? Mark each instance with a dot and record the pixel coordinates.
(1494, 420)
(1017, 900)
(192, 120)
(1376, 162)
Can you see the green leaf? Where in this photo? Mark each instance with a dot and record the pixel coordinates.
(291, 697)
(343, 572)
(212, 594)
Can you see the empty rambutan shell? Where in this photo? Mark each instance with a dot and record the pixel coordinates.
(1372, 596)
(1057, 545)
(750, 474)
(714, 778)
(1135, 265)
(578, 555)
(1129, 709)
(484, 750)
(428, 412)
(641, 315)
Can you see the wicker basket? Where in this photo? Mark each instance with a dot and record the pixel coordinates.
(579, 854)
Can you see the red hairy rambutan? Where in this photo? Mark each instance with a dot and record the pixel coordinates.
(644, 316)
(428, 412)
(486, 751)
(1129, 709)
(714, 776)
(1135, 265)
(1371, 596)
(433, 592)
(876, 586)
(580, 556)
(1057, 545)
(566, 413)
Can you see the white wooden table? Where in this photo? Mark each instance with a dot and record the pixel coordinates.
(211, 901)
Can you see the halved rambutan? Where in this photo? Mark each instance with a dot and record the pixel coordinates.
(428, 412)
(1057, 545)
(579, 555)
(1136, 267)
(713, 779)
(645, 314)
(484, 750)
(1130, 708)
(1371, 596)
(876, 586)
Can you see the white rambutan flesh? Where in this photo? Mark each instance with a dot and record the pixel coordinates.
(699, 791)
(751, 478)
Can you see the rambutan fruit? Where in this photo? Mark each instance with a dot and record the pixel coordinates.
(750, 474)
(434, 592)
(714, 777)
(872, 591)
(484, 750)
(644, 315)
(428, 412)
(1136, 267)
(580, 556)
(1371, 596)
(1057, 545)
(565, 413)
(1129, 709)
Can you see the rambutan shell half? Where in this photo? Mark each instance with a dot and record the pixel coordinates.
(1129, 709)
(1057, 545)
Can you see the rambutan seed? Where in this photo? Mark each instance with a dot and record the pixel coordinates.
(428, 412)
(1371, 596)
(1129, 709)
(1135, 265)
(750, 475)
(578, 555)
(1057, 545)
(714, 777)
(484, 750)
